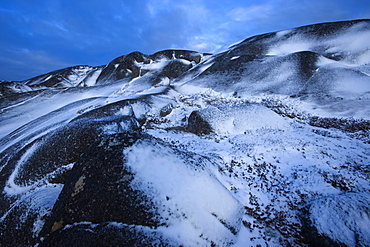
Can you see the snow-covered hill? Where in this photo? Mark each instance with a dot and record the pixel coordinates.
(263, 144)
(325, 66)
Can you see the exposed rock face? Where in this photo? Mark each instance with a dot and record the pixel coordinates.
(98, 190)
(38, 170)
(102, 188)
(137, 64)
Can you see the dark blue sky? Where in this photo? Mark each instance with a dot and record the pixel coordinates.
(43, 35)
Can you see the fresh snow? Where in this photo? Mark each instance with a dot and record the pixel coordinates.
(277, 172)
(197, 201)
(343, 217)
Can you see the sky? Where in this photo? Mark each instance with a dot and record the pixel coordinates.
(40, 36)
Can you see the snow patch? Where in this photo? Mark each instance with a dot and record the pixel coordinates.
(280, 34)
(156, 65)
(198, 208)
(91, 80)
(344, 218)
(289, 46)
(238, 119)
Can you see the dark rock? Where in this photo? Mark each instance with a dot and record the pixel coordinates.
(105, 198)
(123, 67)
(175, 68)
(98, 189)
(66, 144)
(106, 234)
(25, 217)
(167, 109)
(258, 73)
(198, 123)
(9, 88)
(128, 66)
(41, 163)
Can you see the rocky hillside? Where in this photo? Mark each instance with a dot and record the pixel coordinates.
(263, 144)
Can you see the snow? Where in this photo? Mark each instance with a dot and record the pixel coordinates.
(11, 188)
(36, 203)
(240, 118)
(197, 201)
(23, 120)
(47, 78)
(345, 218)
(357, 36)
(290, 46)
(283, 33)
(156, 65)
(352, 44)
(92, 79)
(274, 172)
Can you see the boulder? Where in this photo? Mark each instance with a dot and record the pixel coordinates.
(234, 119)
(140, 191)
(66, 144)
(32, 178)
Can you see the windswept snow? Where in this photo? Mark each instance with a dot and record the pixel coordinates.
(343, 217)
(277, 172)
(189, 197)
(284, 160)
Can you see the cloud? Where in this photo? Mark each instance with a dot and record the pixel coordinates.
(243, 14)
(17, 64)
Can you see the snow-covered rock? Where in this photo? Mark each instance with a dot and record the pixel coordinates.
(264, 144)
(235, 119)
(343, 218)
(130, 179)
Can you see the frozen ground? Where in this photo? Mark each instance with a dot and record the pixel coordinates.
(279, 174)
